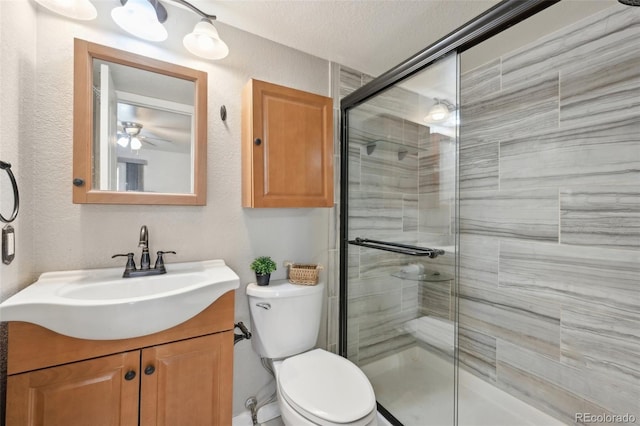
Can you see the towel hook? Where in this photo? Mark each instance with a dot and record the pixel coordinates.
(16, 195)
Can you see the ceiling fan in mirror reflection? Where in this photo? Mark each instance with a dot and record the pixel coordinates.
(129, 135)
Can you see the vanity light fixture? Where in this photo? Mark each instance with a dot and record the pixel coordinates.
(205, 42)
(440, 111)
(144, 19)
(75, 9)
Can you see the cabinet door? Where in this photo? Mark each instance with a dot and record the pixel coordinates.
(93, 392)
(188, 382)
(287, 147)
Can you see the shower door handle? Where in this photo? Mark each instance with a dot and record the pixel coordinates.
(262, 305)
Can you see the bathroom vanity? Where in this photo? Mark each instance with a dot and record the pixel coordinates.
(179, 376)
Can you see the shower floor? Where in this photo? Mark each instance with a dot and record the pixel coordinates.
(416, 386)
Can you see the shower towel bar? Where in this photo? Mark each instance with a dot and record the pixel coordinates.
(397, 247)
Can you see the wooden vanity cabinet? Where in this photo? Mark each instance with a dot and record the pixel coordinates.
(181, 376)
(287, 147)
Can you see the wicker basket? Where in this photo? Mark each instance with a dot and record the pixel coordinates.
(303, 274)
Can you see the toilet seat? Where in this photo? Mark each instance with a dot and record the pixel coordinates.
(326, 389)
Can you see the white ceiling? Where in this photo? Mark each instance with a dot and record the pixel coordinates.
(368, 35)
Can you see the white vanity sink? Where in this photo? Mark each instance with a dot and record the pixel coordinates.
(99, 304)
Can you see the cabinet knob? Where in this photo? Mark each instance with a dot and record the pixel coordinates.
(258, 141)
(130, 375)
(150, 369)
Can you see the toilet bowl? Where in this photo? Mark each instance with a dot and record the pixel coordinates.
(314, 387)
(321, 388)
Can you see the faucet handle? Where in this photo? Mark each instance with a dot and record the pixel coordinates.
(131, 264)
(160, 260)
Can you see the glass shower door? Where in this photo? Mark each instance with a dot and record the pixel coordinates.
(401, 251)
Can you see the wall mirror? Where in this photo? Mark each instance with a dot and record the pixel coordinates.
(139, 129)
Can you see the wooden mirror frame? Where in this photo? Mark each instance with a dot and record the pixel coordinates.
(83, 192)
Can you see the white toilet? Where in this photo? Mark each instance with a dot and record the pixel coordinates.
(314, 387)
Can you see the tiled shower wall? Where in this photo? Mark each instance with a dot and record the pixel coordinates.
(550, 219)
(401, 180)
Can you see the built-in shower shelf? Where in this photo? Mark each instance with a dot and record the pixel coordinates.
(427, 276)
(402, 149)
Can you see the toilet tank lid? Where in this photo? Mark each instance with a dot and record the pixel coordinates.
(282, 288)
(327, 386)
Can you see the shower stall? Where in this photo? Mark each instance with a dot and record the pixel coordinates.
(490, 221)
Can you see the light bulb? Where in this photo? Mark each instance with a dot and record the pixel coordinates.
(123, 141)
(135, 143)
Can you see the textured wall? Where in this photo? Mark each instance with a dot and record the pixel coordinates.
(550, 219)
(71, 236)
(17, 102)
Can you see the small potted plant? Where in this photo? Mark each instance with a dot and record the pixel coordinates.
(263, 266)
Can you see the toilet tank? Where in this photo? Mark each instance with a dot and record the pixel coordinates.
(285, 318)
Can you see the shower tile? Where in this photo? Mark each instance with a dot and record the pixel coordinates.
(572, 274)
(354, 167)
(397, 101)
(588, 386)
(437, 166)
(587, 154)
(528, 321)
(384, 335)
(336, 132)
(477, 353)
(410, 212)
(424, 137)
(604, 91)
(480, 82)
(375, 263)
(602, 339)
(384, 171)
(435, 299)
(479, 166)
(531, 215)
(352, 340)
(601, 216)
(374, 211)
(434, 214)
(353, 262)
(541, 393)
(359, 288)
(410, 299)
(350, 80)
(334, 73)
(332, 272)
(596, 39)
(368, 125)
(411, 133)
(478, 262)
(332, 321)
(511, 113)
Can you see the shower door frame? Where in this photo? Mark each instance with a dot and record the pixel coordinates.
(495, 20)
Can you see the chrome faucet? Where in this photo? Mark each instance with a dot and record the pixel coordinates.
(145, 263)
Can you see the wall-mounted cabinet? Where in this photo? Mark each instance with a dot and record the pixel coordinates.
(181, 376)
(287, 147)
